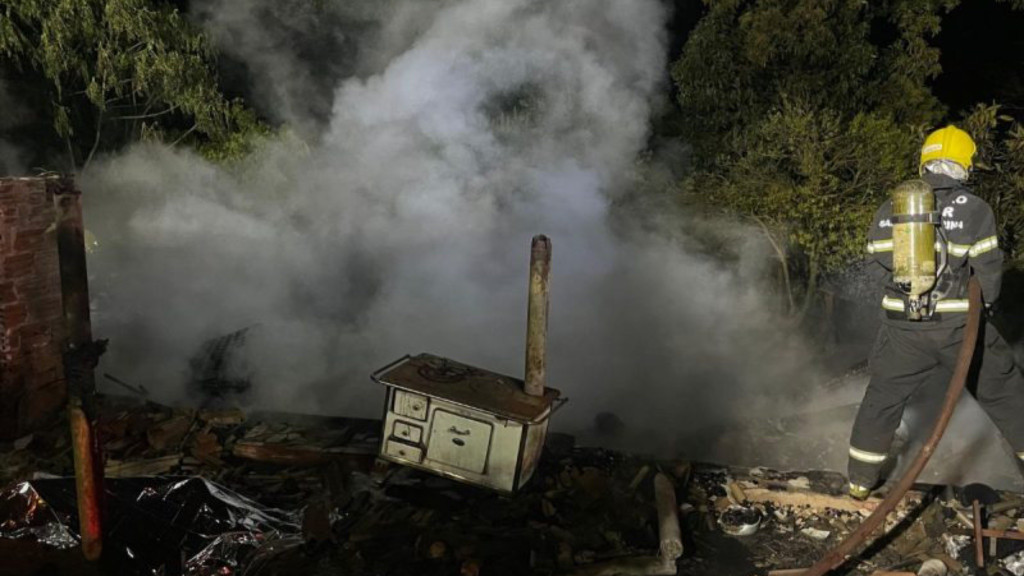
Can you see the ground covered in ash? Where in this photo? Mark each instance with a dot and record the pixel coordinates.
(225, 492)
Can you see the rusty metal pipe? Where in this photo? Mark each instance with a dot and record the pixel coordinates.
(79, 359)
(956, 386)
(537, 316)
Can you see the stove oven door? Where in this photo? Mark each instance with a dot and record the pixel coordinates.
(459, 442)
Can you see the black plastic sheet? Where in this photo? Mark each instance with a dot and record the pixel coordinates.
(155, 526)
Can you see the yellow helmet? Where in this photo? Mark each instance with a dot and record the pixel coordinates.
(949, 143)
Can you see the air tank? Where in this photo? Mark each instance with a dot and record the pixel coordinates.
(913, 242)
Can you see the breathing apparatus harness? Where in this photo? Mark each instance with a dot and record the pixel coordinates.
(916, 271)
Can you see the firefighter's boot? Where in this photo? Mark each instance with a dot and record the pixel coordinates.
(858, 492)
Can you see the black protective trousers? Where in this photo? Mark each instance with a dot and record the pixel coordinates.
(902, 360)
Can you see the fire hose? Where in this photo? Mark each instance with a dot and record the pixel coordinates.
(838, 555)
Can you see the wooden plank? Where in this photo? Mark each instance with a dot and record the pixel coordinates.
(294, 455)
(801, 571)
(152, 467)
(1003, 534)
(814, 500)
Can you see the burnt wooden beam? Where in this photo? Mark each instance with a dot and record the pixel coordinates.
(81, 355)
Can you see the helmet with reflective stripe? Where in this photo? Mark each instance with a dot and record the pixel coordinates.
(949, 143)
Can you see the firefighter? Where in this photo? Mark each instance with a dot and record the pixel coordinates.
(908, 352)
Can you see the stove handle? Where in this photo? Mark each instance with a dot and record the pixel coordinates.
(558, 405)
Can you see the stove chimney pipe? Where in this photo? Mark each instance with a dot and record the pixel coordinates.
(537, 316)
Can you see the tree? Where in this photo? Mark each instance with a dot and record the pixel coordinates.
(847, 56)
(999, 173)
(121, 70)
(811, 180)
(803, 113)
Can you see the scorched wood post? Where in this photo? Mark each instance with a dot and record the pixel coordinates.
(80, 357)
(537, 316)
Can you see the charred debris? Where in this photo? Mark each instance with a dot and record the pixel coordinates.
(227, 492)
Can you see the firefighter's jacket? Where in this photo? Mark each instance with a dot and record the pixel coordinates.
(968, 232)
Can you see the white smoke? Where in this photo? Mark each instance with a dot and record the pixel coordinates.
(406, 228)
(401, 223)
(296, 52)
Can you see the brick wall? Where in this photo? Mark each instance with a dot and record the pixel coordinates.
(32, 329)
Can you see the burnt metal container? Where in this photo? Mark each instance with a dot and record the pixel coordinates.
(463, 422)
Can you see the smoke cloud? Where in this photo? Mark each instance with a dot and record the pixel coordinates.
(293, 52)
(434, 143)
(406, 227)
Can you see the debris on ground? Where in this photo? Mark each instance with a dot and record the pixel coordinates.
(586, 511)
(155, 525)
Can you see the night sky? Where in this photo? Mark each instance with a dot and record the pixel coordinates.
(982, 44)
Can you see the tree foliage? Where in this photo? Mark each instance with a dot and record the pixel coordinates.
(847, 56)
(803, 113)
(120, 70)
(812, 180)
(999, 172)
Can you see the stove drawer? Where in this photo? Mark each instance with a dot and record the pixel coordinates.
(411, 405)
(459, 442)
(407, 432)
(403, 451)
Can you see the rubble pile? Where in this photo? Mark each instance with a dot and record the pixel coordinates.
(327, 506)
(800, 516)
(277, 456)
(582, 509)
